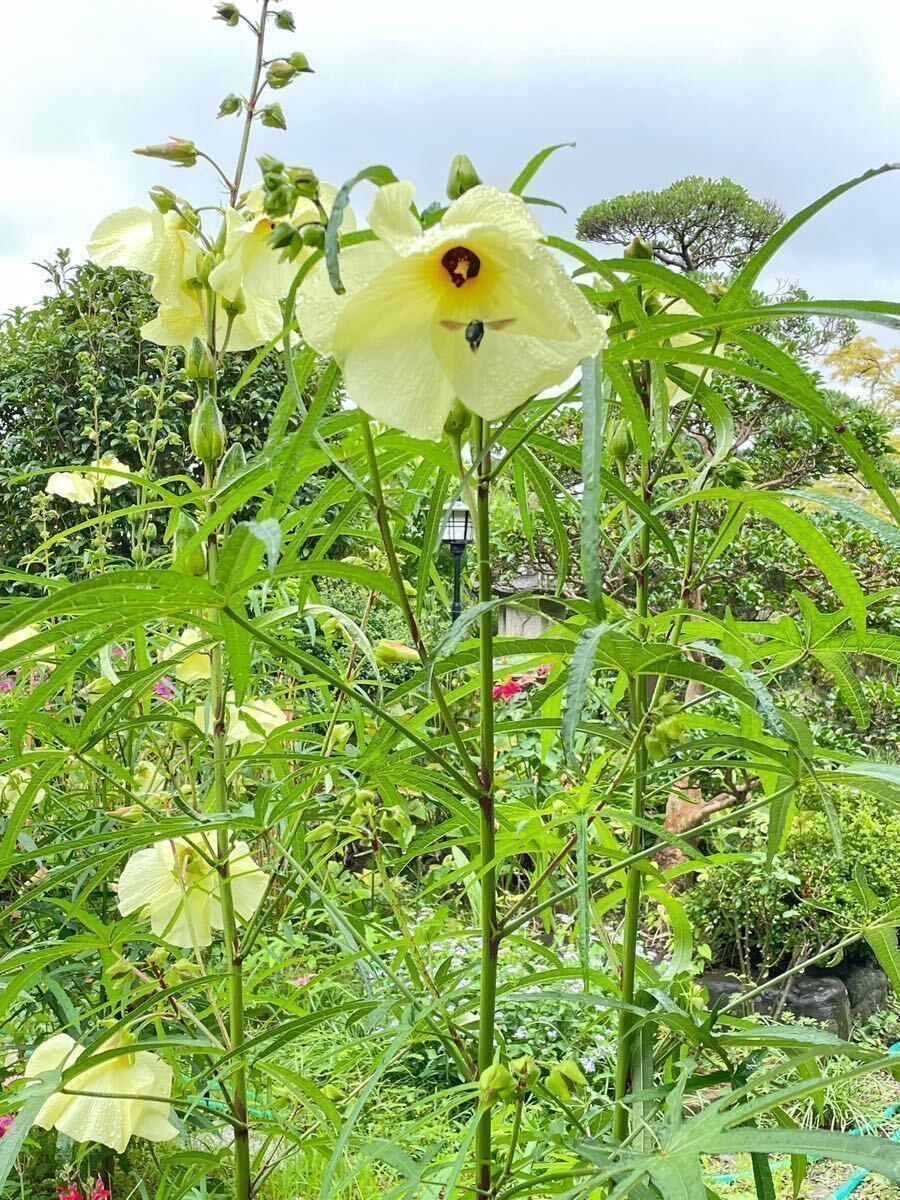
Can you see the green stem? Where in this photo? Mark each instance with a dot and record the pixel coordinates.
(634, 876)
(252, 101)
(384, 525)
(233, 953)
(490, 941)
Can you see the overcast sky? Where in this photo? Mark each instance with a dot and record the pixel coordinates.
(787, 98)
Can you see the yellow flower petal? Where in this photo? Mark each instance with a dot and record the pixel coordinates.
(483, 205)
(391, 218)
(128, 238)
(129, 1095)
(70, 486)
(318, 305)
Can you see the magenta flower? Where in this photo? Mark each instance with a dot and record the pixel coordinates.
(100, 1190)
(163, 689)
(6, 1123)
(7, 683)
(302, 980)
(507, 689)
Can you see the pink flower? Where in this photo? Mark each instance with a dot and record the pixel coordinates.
(163, 689)
(6, 1123)
(69, 1192)
(544, 670)
(7, 683)
(507, 689)
(120, 652)
(100, 1190)
(302, 980)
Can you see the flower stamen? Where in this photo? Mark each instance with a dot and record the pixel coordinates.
(461, 265)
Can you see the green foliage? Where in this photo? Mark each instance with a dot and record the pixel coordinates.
(77, 380)
(694, 224)
(756, 918)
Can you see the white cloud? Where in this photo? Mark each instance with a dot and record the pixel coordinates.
(788, 98)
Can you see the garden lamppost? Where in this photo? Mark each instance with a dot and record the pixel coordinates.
(458, 533)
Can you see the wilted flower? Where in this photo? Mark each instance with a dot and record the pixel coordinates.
(107, 1115)
(71, 486)
(175, 884)
(476, 308)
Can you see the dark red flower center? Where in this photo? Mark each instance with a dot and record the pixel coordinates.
(461, 264)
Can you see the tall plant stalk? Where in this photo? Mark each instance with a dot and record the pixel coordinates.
(233, 953)
(490, 936)
(634, 875)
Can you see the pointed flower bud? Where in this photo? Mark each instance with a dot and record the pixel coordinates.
(285, 20)
(180, 152)
(525, 1071)
(462, 176)
(230, 105)
(495, 1084)
(164, 200)
(639, 248)
(229, 13)
(199, 363)
(206, 431)
(280, 73)
(272, 117)
(396, 652)
(194, 562)
(300, 63)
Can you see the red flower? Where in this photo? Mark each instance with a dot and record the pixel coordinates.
(507, 689)
(100, 1190)
(70, 1192)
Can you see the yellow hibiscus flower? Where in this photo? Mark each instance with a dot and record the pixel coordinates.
(475, 308)
(162, 246)
(129, 1095)
(71, 486)
(194, 666)
(175, 886)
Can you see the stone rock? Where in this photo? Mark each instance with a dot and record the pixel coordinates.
(821, 998)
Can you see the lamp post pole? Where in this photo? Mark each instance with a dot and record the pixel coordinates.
(458, 532)
(458, 550)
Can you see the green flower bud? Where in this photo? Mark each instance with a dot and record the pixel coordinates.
(181, 971)
(305, 181)
(495, 1084)
(639, 248)
(331, 1092)
(128, 812)
(206, 431)
(184, 732)
(179, 151)
(232, 465)
(158, 957)
(97, 687)
(621, 443)
(119, 968)
(565, 1080)
(458, 421)
(395, 652)
(300, 63)
(199, 363)
(229, 13)
(462, 176)
(280, 73)
(272, 117)
(285, 20)
(526, 1071)
(313, 234)
(194, 562)
(320, 833)
(235, 307)
(230, 105)
(164, 200)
